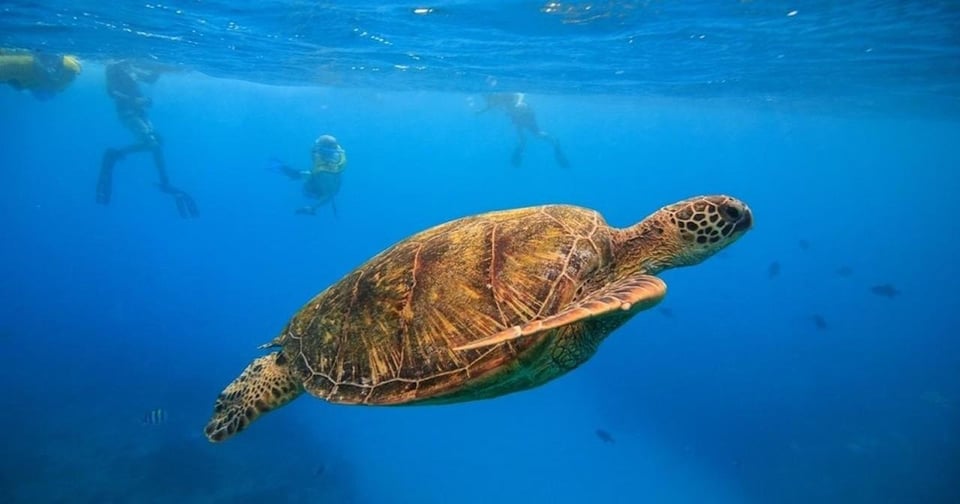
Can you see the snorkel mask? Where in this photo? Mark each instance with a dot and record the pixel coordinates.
(327, 155)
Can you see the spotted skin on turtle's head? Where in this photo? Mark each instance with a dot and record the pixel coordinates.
(266, 384)
(706, 224)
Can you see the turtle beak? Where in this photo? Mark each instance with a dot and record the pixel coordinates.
(746, 221)
(737, 213)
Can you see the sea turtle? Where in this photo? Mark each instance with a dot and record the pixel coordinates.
(476, 308)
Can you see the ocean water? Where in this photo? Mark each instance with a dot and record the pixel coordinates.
(771, 373)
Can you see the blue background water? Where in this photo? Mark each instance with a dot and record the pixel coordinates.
(108, 312)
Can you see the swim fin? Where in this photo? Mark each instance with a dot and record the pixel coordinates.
(278, 166)
(105, 181)
(517, 158)
(560, 157)
(186, 206)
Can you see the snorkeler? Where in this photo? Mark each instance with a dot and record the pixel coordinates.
(43, 74)
(322, 181)
(522, 116)
(123, 88)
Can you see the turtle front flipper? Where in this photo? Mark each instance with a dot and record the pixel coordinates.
(266, 384)
(637, 292)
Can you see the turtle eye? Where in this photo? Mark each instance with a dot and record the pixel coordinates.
(731, 212)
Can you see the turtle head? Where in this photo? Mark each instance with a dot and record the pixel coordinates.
(687, 232)
(697, 228)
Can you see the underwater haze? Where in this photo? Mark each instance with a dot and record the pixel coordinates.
(816, 359)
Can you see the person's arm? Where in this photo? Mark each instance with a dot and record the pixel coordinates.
(148, 76)
(490, 102)
(293, 173)
(126, 99)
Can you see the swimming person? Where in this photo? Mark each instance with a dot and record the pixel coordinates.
(123, 78)
(523, 118)
(42, 74)
(322, 181)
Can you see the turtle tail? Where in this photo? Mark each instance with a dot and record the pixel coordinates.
(266, 384)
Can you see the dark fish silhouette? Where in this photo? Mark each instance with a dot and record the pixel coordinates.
(885, 290)
(804, 245)
(773, 270)
(844, 271)
(819, 321)
(605, 436)
(667, 312)
(154, 417)
(318, 472)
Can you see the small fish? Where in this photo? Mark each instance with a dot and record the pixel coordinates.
(667, 312)
(773, 270)
(605, 436)
(885, 290)
(844, 271)
(154, 417)
(819, 321)
(804, 245)
(318, 472)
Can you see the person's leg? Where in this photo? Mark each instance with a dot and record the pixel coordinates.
(140, 126)
(135, 123)
(558, 154)
(161, 165)
(186, 207)
(517, 158)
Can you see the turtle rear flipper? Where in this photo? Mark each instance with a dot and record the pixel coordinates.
(266, 384)
(637, 292)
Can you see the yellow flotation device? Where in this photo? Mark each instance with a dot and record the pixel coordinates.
(331, 167)
(23, 70)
